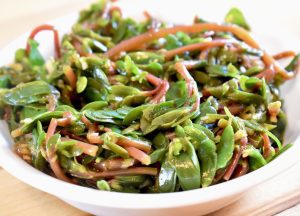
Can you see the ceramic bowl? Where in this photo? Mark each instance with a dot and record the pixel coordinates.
(194, 202)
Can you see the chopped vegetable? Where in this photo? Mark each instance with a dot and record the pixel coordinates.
(146, 107)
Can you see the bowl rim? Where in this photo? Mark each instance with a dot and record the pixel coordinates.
(28, 174)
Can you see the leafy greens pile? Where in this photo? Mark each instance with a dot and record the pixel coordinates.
(146, 107)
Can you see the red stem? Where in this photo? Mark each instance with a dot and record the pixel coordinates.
(197, 46)
(190, 82)
(45, 28)
(153, 79)
(51, 129)
(161, 89)
(51, 154)
(285, 54)
(71, 76)
(161, 92)
(85, 147)
(126, 142)
(267, 148)
(65, 120)
(237, 155)
(242, 169)
(139, 155)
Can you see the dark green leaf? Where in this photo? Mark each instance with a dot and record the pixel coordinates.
(186, 165)
(293, 64)
(29, 93)
(166, 178)
(225, 147)
(256, 159)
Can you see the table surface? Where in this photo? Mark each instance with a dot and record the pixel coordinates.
(279, 195)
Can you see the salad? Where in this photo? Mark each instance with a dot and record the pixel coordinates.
(146, 107)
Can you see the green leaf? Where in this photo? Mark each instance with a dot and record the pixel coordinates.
(46, 116)
(293, 64)
(107, 115)
(257, 127)
(256, 159)
(280, 126)
(172, 42)
(157, 155)
(235, 16)
(166, 178)
(222, 71)
(4, 81)
(266, 92)
(69, 149)
(160, 141)
(38, 159)
(134, 100)
(177, 90)
(248, 83)
(51, 145)
(81, 84)
(20, 55)
(153, 67)
(103, 185)
(29, 112)
(186, 165)
(167, 120)
(206, 152)
(35, 56)
(130, 66)
(121, 91)
(167, 106)
(95, 91)
(134, 114)
(132, 180)
(102, 64)
(205, 130)
(207, 108)
(96, 105)
(94, 9)
(29, 93)
(245, 97)
(147, 58)
(126, 29)
(226, 147)
(112, 146)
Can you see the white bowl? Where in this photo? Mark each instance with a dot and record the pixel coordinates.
(194, 202)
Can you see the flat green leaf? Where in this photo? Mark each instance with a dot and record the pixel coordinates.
(35, 56)
(134, 114)
(225, 147)
(167, 120)
(222, 71)
(256, 159)
(166, 178)
(235, 16)
(186, 165)
(81, 84)
(96, 105)
(206, 153)
(29, 93)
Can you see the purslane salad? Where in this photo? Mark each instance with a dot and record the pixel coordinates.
(146, 107)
